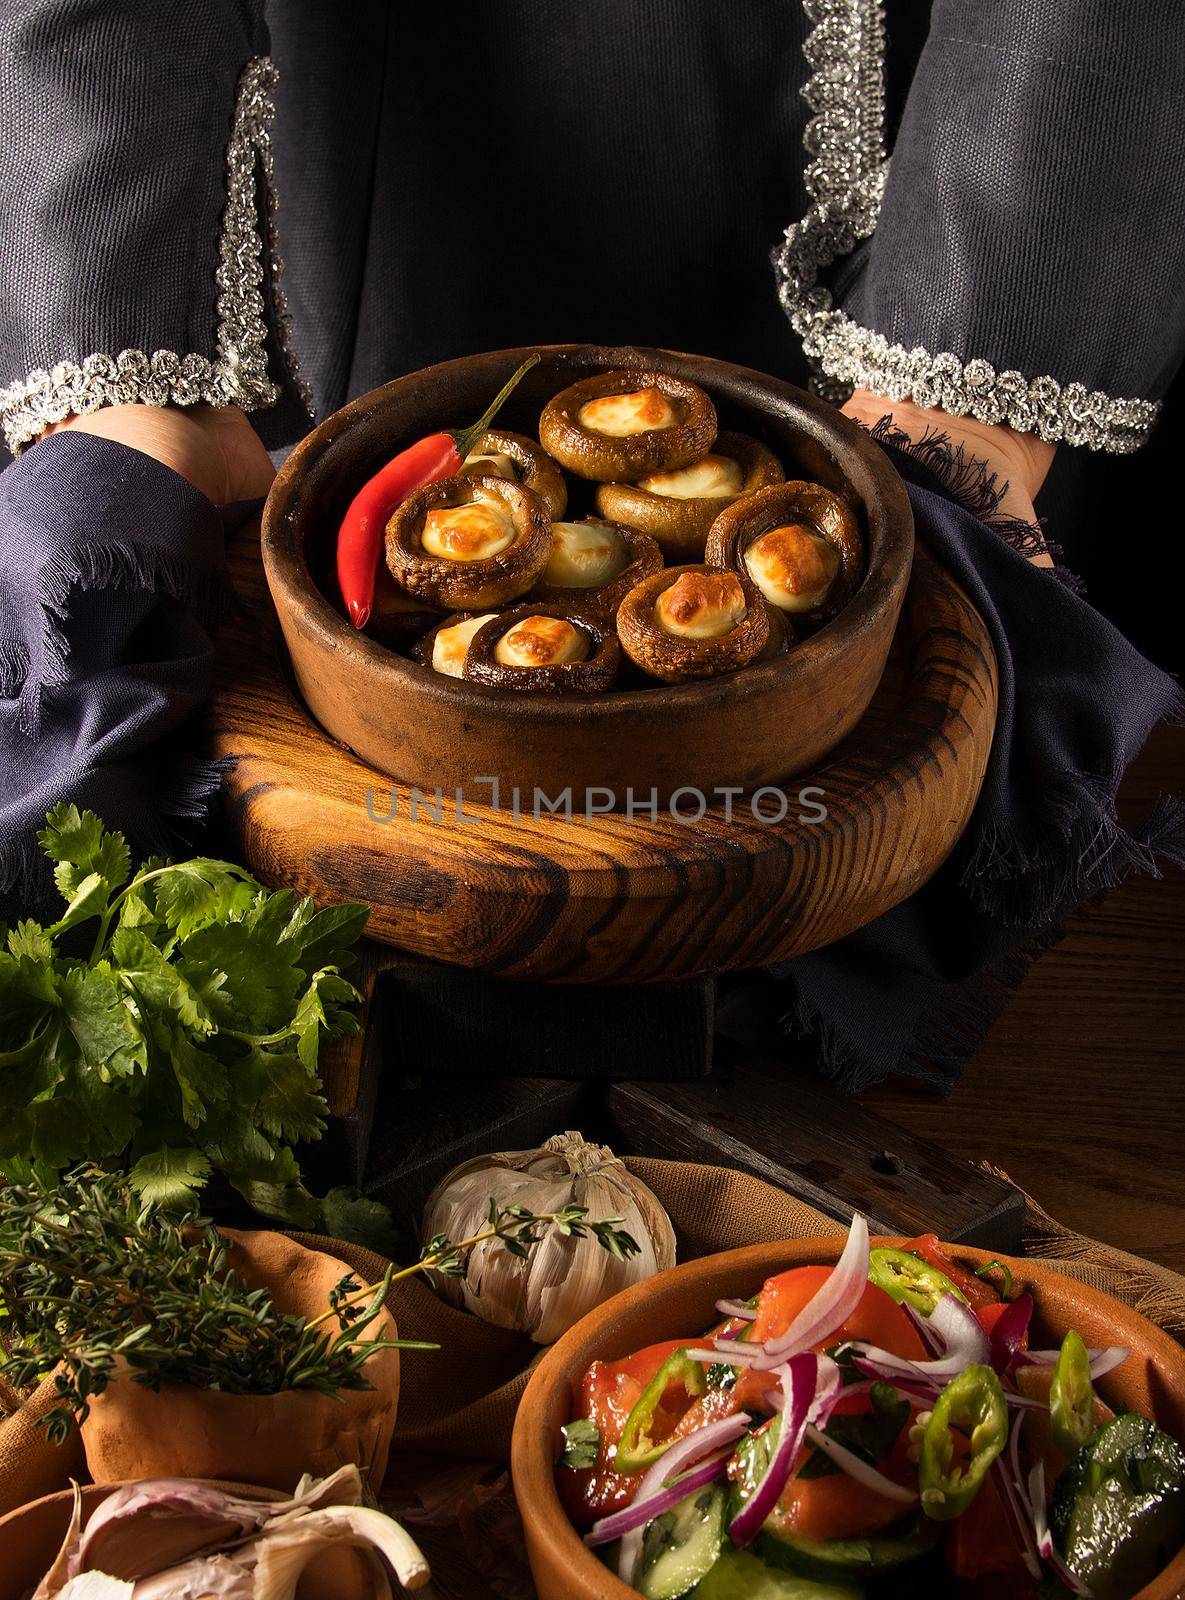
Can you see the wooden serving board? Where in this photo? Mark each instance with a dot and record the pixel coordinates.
(612, 898)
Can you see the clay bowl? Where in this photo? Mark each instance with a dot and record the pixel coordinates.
(1151, 1380)
(754, 727)
(31, 1536)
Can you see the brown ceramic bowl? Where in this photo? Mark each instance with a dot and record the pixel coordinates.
(1151, 1380)
(757, 726)
(31, 1537)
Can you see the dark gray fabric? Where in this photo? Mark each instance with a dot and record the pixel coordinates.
(580, 168)
(113, 173)
(535, 170)
(1035, 212)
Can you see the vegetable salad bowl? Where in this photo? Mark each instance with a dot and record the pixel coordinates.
(1150, 1381)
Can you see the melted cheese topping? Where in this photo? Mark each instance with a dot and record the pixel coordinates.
(541, 642)
(451, 645)
(622, 415)
(492, 466)
(584, 555)
(794, 567)
(701, 605)
(467, 533)
(713, 478)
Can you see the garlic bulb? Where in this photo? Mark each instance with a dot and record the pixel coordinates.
(561, 1278)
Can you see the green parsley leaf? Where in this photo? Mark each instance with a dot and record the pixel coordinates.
(170, 1178)
(188, 1039)
(582, 1444)
(346, 1214)
(30, 939)
(190, 894)
(79, 844)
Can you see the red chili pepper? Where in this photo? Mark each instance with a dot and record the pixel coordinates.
(360, 539)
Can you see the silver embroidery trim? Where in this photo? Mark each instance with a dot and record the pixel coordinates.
(238, 372)
(845, 176)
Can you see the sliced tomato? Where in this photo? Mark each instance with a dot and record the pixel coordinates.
(977, 1291)
(608, 1393)
(982, 1540)
(709, 1407)
(878, 1319)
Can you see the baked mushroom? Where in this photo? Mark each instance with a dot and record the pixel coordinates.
(781, 634)
(798, 542)
(467, 544)
(445, 647)
(678, 505)
(594, 564)
(624, 425)
(544, 649)
(693, 622)
(512, 456)
(394, 616)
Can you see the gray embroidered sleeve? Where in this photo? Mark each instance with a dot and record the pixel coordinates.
(134, 210)
(1021, 258)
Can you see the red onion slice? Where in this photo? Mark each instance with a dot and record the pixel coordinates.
(1016, 1505)
(1045, 1545)
(657, 1493)
(1009, 1331)
(829, 1390)
(900, 1375)
(1017, 1517)
(963, 1341)
(737, 1308)
(729, 1353)
(831, 1306)
(859, 1469)
(635, 1517)
(799, 1380)
(960, 1330)
(925, 1332)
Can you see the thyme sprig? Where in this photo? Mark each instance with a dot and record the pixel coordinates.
(93, 1284)
(518, 1228)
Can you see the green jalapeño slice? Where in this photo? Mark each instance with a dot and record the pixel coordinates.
(953, 1467)
(638, 1447)
(1071, 1397)
(910, 1279)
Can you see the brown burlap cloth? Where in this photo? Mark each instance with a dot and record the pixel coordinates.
(457, 1404)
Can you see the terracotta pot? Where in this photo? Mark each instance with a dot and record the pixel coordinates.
(749, 728)
(261, 1439)
(682, 1301)
(31, 1537)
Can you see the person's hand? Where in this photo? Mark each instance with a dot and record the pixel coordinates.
(215, 447)
(1020, 460)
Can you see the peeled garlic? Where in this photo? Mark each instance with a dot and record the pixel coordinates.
(561, 1278)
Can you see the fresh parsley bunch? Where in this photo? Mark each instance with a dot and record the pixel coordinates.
(186, 1040)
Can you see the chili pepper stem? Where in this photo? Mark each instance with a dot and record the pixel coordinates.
(466, 438)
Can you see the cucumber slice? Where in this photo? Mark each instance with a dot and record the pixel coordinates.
(1118, 1510)
(682, 1545)
(740, 1575)
(837, 1560)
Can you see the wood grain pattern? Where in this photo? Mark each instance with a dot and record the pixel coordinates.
(611, 898)
(800, 1135)
(1077, 1093)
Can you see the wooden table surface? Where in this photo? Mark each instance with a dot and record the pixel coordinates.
(1079, 1091)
